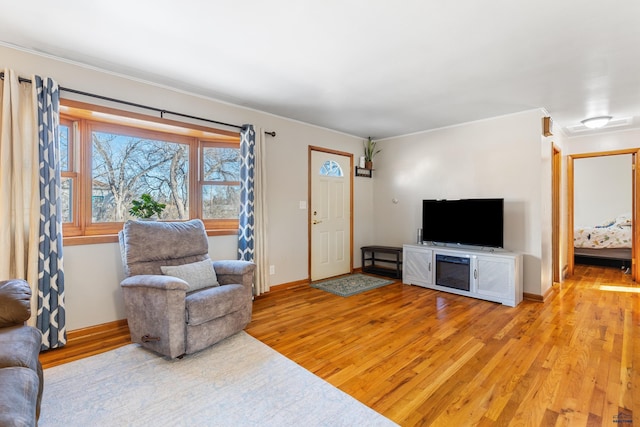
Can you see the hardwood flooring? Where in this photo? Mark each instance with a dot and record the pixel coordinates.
(422, 357)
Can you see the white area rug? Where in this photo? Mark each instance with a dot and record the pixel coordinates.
(238, 382)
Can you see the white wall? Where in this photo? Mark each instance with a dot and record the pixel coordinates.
(500, 157)
(602, 188)
(93, 272)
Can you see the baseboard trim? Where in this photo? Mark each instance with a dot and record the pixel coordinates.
(82, 333)
(552, 290)
(539, 298)
(289, 285)
(533, 297)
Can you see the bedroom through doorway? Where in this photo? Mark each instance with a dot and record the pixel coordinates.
(602, 210)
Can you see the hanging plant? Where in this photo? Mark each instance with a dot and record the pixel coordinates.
(146, 207)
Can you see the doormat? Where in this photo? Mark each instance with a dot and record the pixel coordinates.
(352, 284)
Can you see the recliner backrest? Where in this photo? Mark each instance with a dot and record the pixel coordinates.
(147, 245)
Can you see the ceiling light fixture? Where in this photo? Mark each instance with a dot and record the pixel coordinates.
(596, 122)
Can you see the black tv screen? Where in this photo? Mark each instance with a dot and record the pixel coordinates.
(475, 222)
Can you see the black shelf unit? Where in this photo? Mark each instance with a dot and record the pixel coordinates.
(366, 173)
(371, 260)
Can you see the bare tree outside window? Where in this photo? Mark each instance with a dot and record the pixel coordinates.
(221, 187)
(124, 167)
(67, 181)
(109, 158)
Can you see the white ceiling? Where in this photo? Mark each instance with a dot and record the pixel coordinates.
(375, 68)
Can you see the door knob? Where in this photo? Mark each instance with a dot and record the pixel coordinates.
(315, 221)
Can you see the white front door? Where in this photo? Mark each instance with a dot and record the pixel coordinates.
(330, 214)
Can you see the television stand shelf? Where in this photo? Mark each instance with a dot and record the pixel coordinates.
(494, 275)
(371, 254)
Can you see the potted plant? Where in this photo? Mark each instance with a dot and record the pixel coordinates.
(369, 152)
(146, 207)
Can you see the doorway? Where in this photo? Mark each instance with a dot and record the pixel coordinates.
(330, 213)
(556, 185)
(593, 227)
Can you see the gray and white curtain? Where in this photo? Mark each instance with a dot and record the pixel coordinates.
(51, 312)
(252, 242)
(31, 228)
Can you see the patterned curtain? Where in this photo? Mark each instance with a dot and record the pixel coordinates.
(247, 188)
(51, 312)
(252, 244)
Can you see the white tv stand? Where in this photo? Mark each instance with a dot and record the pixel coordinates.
(493, 275)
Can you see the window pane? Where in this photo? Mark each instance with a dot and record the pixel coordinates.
(331, 168)
(221, 164)
(220, 201)
(125, 167)
(66, 199)
(63, 131)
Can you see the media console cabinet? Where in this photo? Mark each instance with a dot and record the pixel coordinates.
(492, 275)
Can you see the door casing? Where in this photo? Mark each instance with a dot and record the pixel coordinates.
(634, 206)
(348, 174)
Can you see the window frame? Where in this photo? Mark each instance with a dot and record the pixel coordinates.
(83, 119)
(72, 228)
(225, 223)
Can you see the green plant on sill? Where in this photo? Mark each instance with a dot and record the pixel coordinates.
(370, 149)
(146, 207)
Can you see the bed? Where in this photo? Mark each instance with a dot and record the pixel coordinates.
(610, 241)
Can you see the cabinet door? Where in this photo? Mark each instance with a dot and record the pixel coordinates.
(494, 277)
(417, 266)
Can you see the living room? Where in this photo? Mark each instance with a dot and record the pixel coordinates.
(515, 164)
(504, 156)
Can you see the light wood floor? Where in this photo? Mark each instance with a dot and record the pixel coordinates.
(423, 358)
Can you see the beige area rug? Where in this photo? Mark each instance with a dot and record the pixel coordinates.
(238, 382)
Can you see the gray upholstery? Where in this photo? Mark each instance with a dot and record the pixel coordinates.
(162, 315)
(21, 379)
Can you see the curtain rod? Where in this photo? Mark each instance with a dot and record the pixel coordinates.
(133, 104)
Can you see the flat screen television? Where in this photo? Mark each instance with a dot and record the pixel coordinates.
(474, 222)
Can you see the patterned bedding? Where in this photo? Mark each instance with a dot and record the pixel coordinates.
(613, 234)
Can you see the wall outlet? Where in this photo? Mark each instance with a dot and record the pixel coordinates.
(272, 269)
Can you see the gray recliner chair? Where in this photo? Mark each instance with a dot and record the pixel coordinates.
(177, 300)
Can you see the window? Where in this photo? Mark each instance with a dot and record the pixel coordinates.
(68, 176)
(108, 158)
(220, 182)
(331, 168)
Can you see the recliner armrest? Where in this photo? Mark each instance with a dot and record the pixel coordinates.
(234, 272)
(156, 281)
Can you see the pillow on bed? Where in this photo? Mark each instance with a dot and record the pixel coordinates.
(606, 224)
(624, 220)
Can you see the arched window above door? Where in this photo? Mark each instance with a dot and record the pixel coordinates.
(331, 168)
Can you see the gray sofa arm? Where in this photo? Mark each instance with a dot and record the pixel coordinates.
(15, 302)
(235, 272)
(155, 281)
